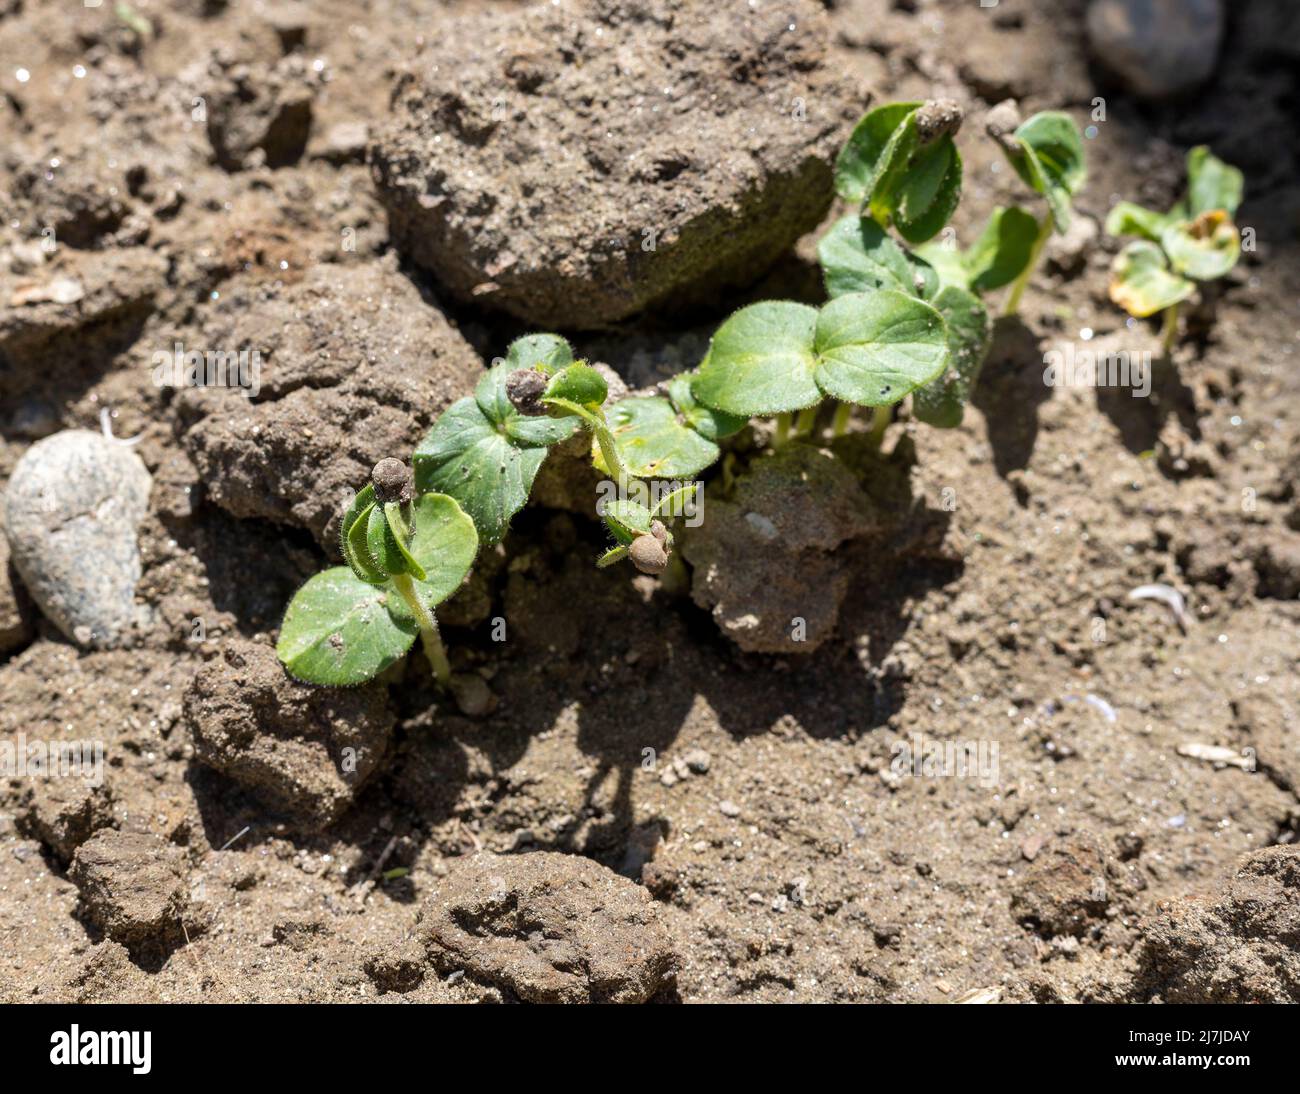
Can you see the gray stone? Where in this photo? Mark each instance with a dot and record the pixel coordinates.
(1157, 48)
(71, 513)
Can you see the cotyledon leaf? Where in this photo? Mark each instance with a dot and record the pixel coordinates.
(444, 544)
(1204, 248)
(712, 425)
(857, 255)
(1141, 283)
(340, 630)
(761, 361)
(942, 402)
(469, 458)
(652, 442)
(875, 348)
(859, 160)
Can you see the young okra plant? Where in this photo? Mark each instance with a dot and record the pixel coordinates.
(405, 555)
(1046, 151)
(1196, 240)
(640, 533)
(901, 167)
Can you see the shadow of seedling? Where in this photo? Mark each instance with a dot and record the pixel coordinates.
(1140, 420)
(1010, 391)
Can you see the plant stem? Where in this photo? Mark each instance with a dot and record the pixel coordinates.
(1018, 289)
(880, 420)
(424, 619)
(782, 428)
(806, 421)
(843, 413)
(608, 448)
(1169, 331)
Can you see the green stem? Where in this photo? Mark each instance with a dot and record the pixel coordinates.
(608, 448)
(880, 419)
(782, 428)
(1018, 289)
(1169, 331)
(424, 619)
(595, 420)
(806, 422)
(843, 413)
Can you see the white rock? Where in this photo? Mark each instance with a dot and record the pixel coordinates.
(72, 509)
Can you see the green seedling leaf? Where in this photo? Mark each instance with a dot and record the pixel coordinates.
(340, 630)
(578, 384)
(1212, 184)
(1141, 283)
(761, 361)
(929, 192)
(1003, 250)
(653, 440)
(857, 255)
(613, 555)
(675, 504)
(1050, 160)
(1127, 219)
(382, 544)
(868, 152)
(352, 538)
(520, 429)
(547, 352)
(1204, 248)
(942, 402)
(876, 348)
(627, 520)
(443, 545)
(400, 534)
(712, 425)
(481, 464)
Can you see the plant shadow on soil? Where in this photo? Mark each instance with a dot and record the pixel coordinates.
(625, 664)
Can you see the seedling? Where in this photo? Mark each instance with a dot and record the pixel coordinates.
(484, 451)
(1195, 241)
(405, 556)
(901, 165)
(640, 533)
(1046, 151)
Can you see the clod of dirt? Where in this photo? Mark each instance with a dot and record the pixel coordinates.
(132, 884)
(117, 289)
(1156, 48)
(548, 928)
(1242, 948)
(303, 751)
(341, 386)
(72, 509)
(259, 114)
(1278, 566)
(765, 561)
(1065, 889)
(575, 165)
(65, 812)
